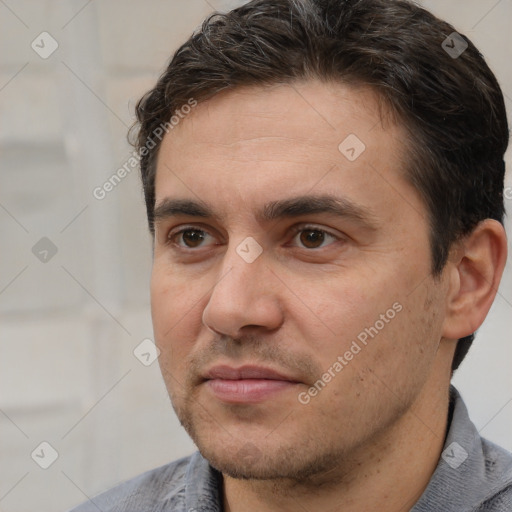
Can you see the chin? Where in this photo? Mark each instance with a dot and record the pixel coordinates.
(261, 461)
(245, 451)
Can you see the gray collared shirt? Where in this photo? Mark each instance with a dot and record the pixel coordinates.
(473, 475)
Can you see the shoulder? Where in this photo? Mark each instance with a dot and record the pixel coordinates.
(153, 490)
(498, 473)
(501, 502)
(473, 474)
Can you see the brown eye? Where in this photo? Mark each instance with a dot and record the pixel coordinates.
(189, 238)
(193, 237)
(312, 238)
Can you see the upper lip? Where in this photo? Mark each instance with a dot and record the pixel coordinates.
(245, 372)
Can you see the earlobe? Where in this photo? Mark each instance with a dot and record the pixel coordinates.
(475, 269)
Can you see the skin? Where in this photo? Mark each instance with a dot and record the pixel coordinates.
(380, 423)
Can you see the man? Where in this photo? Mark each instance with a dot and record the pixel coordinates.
(324, 184)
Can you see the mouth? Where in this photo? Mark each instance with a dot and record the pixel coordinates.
(246, 384)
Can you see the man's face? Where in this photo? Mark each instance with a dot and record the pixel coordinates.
(304, 343)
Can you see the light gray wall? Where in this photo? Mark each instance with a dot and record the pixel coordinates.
(69, 325)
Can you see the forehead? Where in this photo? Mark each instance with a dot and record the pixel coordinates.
(261, 143)
(314, 111)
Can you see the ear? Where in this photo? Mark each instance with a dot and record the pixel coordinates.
(474, 271)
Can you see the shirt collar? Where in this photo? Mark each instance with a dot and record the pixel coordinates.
(203, 491)
(471, 469)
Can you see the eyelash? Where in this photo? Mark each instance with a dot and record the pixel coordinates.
(294, 232)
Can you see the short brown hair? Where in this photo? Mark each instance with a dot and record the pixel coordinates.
(451, 105)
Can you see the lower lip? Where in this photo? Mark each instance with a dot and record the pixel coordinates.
(247, 390)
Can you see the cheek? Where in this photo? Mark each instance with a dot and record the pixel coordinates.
(348, 306)
(404, 352)
(176, 315)
(377, 319)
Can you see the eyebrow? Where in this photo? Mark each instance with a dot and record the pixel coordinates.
(284, 208)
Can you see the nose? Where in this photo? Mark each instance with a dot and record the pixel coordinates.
(246, 296)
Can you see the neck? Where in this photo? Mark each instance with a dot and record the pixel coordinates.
(388, 474)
